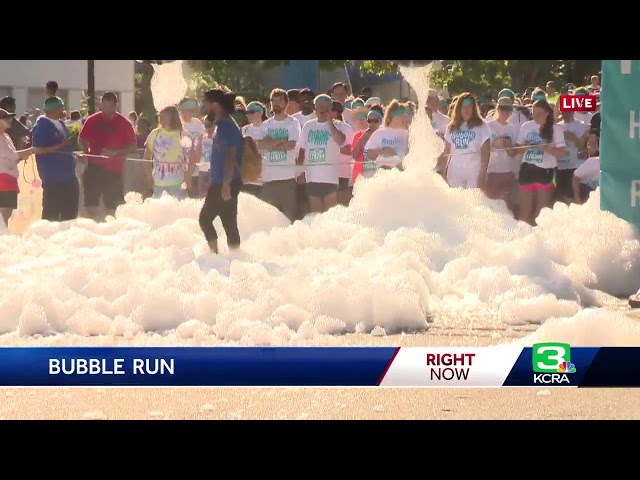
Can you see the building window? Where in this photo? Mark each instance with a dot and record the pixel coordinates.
(37, 96)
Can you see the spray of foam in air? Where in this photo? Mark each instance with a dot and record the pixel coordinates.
(168, 85)
(409, 249)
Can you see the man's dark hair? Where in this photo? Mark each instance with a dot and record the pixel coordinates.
(52, 86)
(7, 102)
(75, 115)
(227, 100)
(338, 85)
(109, 97)
(293, 95)
(307, 92)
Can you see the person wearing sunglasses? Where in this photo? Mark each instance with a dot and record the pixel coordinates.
(362, 166)
(389, 145)
(256, 115)
(500, 178)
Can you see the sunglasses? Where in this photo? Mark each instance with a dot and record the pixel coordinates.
(373, 120)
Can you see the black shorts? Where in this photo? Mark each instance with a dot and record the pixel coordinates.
(321, 190)
(9, 200)
(530, 174)
(564, 182)
(98, 182)
(343, 185)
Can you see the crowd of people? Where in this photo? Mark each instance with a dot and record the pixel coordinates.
(518, 148)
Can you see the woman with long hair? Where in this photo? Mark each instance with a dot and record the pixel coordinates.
(256, 115)
(362, 166)
(389, 145)
(467, 145)
(500, 177)
(540, 162)
(9, 159)
(170, 148)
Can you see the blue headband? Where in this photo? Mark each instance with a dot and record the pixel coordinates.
(539, 96)
(255, 107)
(398, 112)
(374, 113)
(358, 104)
(467, 101)
(322, 99)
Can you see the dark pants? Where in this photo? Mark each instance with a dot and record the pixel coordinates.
(99, 182)
(60, 201)
(251, 189)
(214, 206)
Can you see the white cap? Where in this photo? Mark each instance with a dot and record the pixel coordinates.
(433, 93)
(373, 101)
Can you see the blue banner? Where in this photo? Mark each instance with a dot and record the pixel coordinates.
(620, 139)
(194, 366)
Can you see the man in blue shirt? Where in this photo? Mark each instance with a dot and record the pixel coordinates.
(52, 145)
(222, 197)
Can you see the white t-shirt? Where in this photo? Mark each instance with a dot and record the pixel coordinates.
(257, 133)
(346, 166)
(322, 153)
(530, 132)
(466, 142)
(440, 123)
(583, 117)
(396, 138)
(194, 128)
(500, 161)
(302, 119)
(589, 172)
(277, 164)
(570, 159)
(517, 119)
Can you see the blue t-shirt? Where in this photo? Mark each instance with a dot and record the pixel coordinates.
(227, 135)
(58, 167)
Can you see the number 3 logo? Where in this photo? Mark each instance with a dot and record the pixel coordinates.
(551, 356)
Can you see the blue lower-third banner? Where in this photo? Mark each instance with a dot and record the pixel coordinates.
(550, 364)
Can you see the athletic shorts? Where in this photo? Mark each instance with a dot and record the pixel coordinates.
(564, 182)
(536, 178)
(98, 182)
(281, 194)
(9, 200)
(321, 190)
(463, 173)
(343, 184)
(499, 185)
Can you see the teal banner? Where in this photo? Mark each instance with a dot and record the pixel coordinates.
(620, 139)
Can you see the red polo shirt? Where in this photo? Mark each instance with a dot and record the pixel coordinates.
(101, 132)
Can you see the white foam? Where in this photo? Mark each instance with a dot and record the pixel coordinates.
(407, 248)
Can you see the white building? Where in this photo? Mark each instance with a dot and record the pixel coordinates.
(25, 81)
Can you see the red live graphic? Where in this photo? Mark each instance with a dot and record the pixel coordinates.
(456, 365)
(578, 103)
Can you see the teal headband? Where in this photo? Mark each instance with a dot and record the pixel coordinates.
(255, 107)
(539, 96)
(581, 92)
(53, 105)
(374, 113)
(322, 99)
(362, 116)
(467, 101)
(347, 104)
(189, 105)
(398, 112)
(355, 105)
